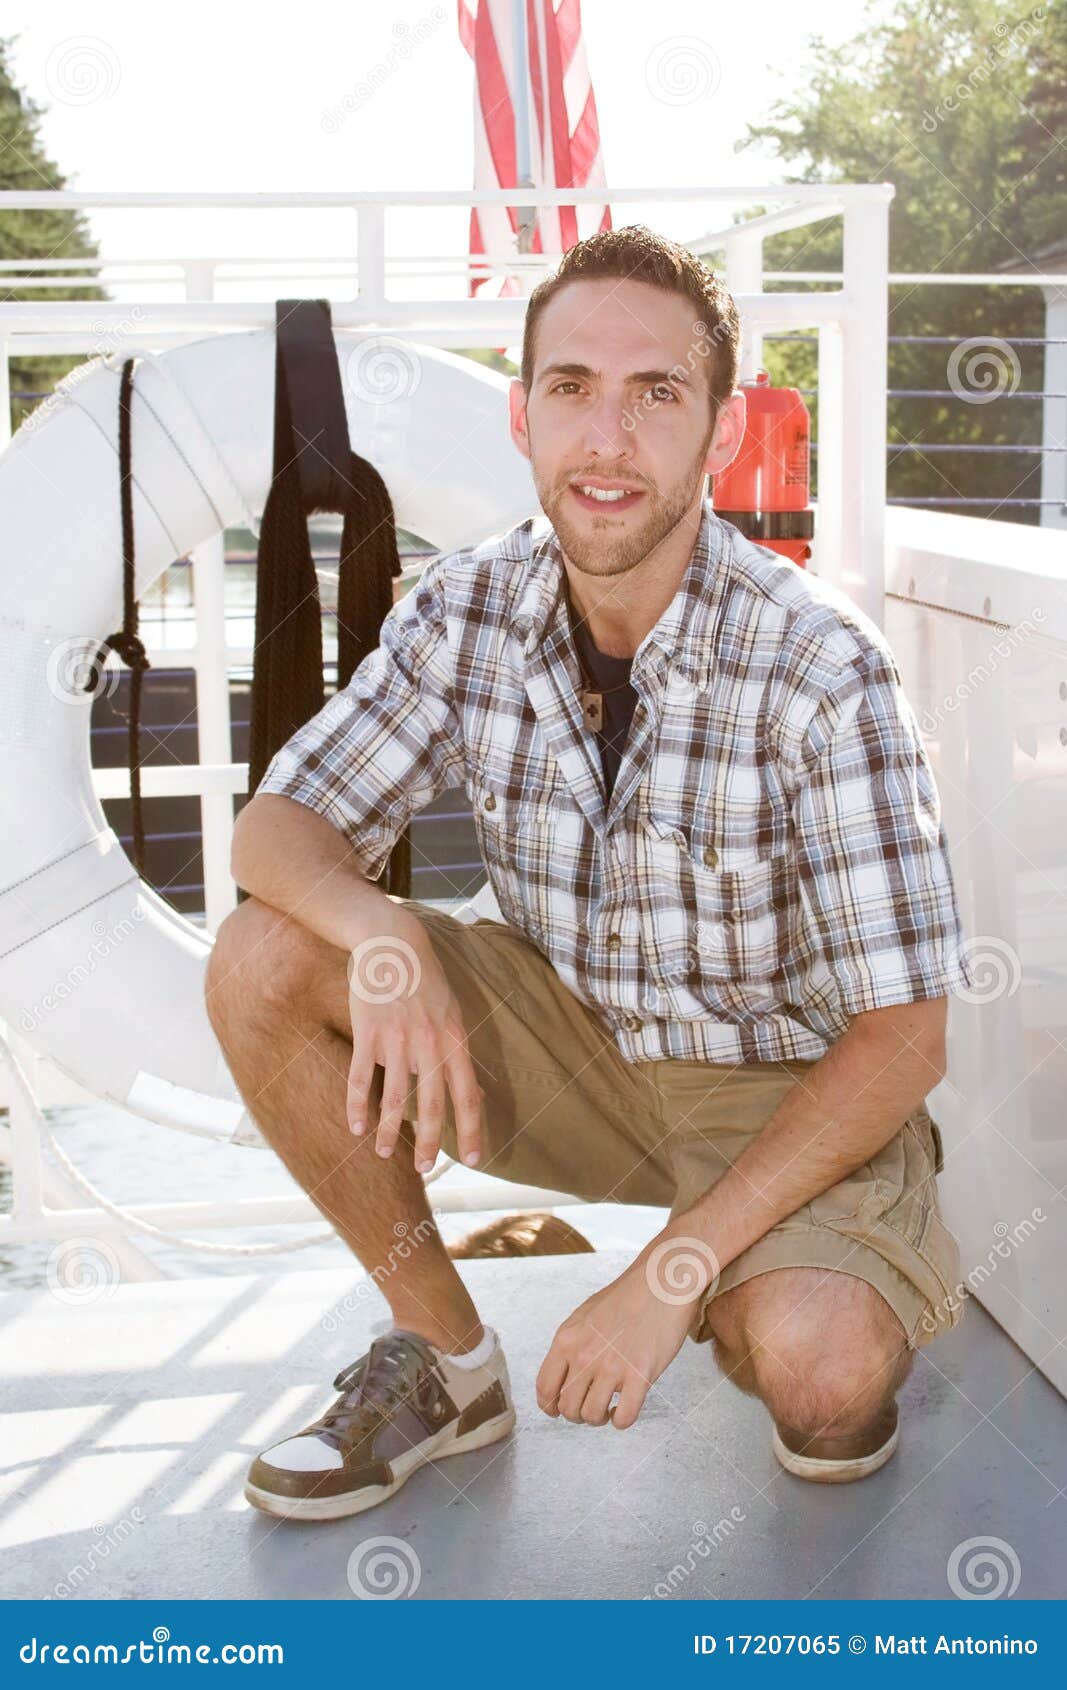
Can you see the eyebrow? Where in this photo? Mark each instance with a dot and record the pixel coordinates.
(583, 371)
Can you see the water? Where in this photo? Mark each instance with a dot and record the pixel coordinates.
(132, 1161)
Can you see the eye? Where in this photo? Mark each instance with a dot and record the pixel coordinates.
(562, 384)
(661, 391)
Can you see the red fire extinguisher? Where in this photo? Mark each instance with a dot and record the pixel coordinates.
(764, 490)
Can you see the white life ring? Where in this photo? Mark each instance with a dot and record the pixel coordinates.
(97, 972)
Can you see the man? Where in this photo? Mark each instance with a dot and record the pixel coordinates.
(730, 931)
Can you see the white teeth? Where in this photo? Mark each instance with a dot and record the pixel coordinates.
(606, 493)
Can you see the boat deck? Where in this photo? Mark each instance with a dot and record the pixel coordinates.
(131, 1420)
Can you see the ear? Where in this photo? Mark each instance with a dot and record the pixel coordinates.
(728, 433)
(517, 415)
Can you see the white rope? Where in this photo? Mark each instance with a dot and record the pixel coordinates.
(128, 1218)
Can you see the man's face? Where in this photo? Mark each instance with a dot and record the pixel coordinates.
(619, 403)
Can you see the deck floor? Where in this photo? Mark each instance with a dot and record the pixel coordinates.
(130, 1421)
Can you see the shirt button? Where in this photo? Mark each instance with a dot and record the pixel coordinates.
(633, 1023)
(711, 856)
(614, 941)
(490, 803)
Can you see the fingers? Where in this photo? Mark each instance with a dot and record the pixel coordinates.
(395, 1085)
(360, 1079)
(429, 1114)
(467, 1099)
(632, 1393)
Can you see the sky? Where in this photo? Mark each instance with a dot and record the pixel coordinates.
(207, 96)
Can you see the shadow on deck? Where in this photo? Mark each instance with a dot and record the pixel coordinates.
(131, 1420)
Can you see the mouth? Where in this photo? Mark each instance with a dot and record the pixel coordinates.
(606, 498)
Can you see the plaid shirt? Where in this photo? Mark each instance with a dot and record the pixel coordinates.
(772, 860)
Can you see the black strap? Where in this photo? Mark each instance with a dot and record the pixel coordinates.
(316, 469)
(772, 525)
(309, 405)
(127, 641)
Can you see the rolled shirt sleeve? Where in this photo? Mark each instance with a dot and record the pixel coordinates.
(871, 849)
(383, 747)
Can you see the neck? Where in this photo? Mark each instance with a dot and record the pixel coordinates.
(619, 610)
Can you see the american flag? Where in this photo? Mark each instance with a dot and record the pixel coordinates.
(564, 135)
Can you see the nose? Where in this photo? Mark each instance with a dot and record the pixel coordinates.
(609, 432)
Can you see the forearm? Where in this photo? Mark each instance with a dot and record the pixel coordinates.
(295, 860)
(833, 1120)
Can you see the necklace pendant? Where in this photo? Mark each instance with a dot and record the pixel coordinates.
(593, 709)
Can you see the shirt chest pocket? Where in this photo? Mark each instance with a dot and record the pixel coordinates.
(715, 908)
(515, 836)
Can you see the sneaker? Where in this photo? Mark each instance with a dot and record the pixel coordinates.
(401, 1405)
(829, 1472)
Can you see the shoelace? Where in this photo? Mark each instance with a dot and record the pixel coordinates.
(387, 1374)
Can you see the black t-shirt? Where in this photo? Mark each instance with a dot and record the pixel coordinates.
(606, 673)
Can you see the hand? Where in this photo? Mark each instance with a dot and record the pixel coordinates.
(622, 1338)
(405, 1016)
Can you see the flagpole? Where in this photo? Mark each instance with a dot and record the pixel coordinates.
(527, 214)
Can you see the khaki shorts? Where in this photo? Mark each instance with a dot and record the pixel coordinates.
(564, 1111)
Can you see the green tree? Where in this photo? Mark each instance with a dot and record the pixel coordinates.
(26, 235)
(933, 96)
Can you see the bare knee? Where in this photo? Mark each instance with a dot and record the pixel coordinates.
(829, 1361)
(260, 956)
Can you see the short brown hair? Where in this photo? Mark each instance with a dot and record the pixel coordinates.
(636, 254)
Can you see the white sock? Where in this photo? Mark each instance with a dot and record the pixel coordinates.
(479, 1355)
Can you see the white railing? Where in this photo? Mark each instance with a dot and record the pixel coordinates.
(849, 319)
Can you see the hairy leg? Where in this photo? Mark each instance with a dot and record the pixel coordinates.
(822, 1350)
(277, 997)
